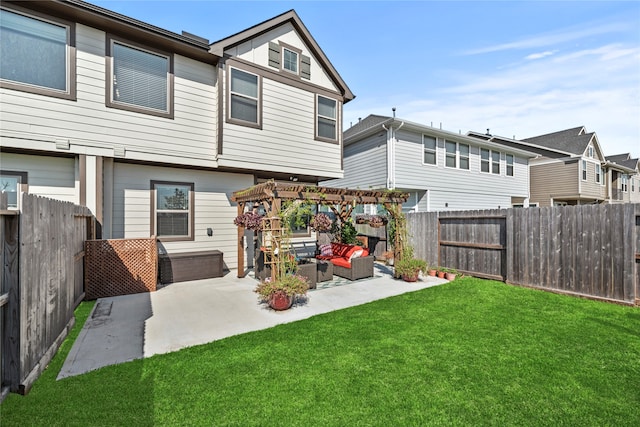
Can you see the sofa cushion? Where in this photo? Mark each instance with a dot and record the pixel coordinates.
(341, 262)
(354, 252)
(325, 250)
(340, 249)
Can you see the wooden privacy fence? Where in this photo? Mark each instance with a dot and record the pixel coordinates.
(42, 283)
(590, 250)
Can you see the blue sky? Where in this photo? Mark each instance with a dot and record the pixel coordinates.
(517, 68)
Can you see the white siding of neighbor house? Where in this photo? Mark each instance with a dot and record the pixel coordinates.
(257, 51)
(412, 173)
(365, 164)
(31, 121)
(286, 141)
(212, 207)
(52, 177)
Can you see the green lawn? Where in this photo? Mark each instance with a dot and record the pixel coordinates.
(471, 352)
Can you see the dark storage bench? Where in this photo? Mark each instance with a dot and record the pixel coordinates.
(185, 266)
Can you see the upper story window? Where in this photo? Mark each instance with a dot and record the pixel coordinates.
(463, 151)
(37, 54)
(457, 155)
(624, 186)
(429, 147)
(244, 98)
(139, 79)
(509, 161)
(584, 170)
(326, 119)
(10, 183)
(290, 60)
(598, 173)
(172, 210)
(590, 151)
(495, 162)
(489, 161)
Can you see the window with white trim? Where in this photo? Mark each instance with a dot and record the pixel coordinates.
(450, 154)
(463, 153)
(590, 151)
(10, 183)
(37, 54)
(244, 97)
(495, 162)
(509, 160)
(598, 174)
(485, 166)
(140, 79)
(584, 170)
(290, 60)
(326, 118)
(489, 161)
(624, 185)
(173, 210)
(429, 148)
(456, 155)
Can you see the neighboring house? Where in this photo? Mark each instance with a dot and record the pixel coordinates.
(571, 168)
(624, 178)
(442, 170)
(154, 130)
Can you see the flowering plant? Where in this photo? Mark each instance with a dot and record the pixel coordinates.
(373, 220)
(288, 284)
(249, 220)
(321, 222)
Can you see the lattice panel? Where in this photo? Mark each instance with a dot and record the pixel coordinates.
(120, 267)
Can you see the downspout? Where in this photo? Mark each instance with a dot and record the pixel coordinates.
(391, 155)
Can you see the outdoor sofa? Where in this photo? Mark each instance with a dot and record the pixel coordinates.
(349, 261)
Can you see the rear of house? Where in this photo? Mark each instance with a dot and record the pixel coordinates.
(154, 130)
(441, 170)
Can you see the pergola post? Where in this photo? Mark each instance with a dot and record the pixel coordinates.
(241, 268)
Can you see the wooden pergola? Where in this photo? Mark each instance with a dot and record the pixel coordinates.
(341, 201)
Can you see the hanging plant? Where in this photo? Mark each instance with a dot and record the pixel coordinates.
(321, 222)
(249, 220)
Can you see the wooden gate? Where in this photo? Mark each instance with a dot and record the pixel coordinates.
(9, 223)
(473, 242)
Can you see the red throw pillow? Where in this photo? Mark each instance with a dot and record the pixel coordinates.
(352, 251)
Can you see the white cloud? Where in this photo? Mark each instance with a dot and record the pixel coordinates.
(540, 55)
(598, 88)
(553, 38)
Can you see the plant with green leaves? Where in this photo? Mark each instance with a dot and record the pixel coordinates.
(410, 267)
(290, 285)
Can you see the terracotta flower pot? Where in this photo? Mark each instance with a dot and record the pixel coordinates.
(432, 273)
(280, 301)
(410, 277)
(450, 276)
(441, 274)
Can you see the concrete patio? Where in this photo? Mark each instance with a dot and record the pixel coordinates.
(180, 315)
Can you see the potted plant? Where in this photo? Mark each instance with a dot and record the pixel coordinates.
(440, 272)
(321, 222)
(281, 293)
(431, 271)
(450, 274)
(249, 220)
(409, 268)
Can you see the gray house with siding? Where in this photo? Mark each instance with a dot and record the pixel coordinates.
(442, 170)
(154, 130)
